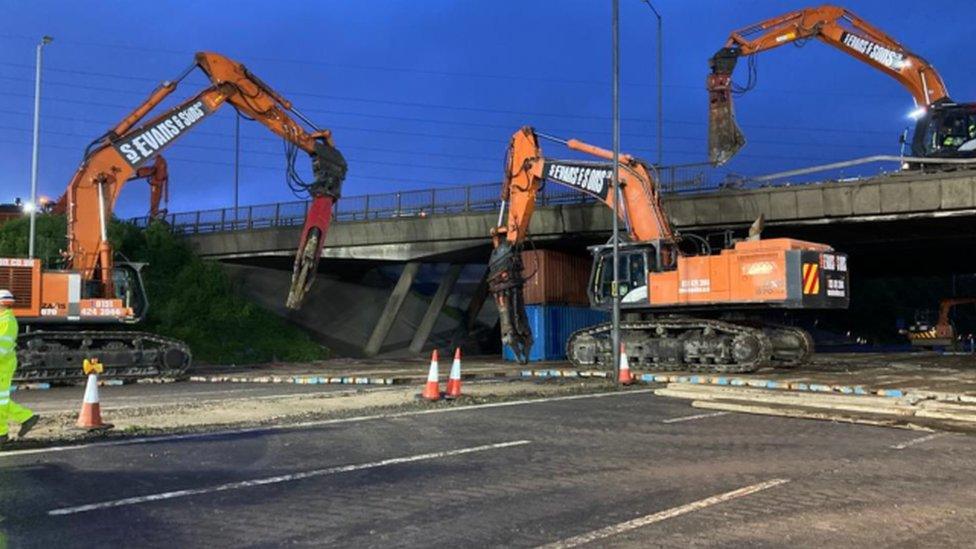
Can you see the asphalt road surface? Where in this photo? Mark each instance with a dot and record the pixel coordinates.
(624, 469)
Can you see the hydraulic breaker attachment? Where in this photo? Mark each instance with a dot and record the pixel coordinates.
(505, 284)
(329, 168)
(724, 136)
(310, 249)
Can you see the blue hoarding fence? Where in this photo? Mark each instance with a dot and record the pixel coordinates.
(551, 327)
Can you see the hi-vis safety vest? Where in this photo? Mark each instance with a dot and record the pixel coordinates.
(8, 337)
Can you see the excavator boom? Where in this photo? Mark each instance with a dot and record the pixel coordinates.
(116, 157)
(832, 25)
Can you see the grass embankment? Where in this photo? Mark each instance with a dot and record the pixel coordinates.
(190, 299)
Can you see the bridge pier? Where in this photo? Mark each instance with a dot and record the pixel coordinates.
(471, 313)
(436, 306)
(393, 304)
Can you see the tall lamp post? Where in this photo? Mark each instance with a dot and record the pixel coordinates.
(615, 330)
(237, 159)
(37, 130)
(660, 83)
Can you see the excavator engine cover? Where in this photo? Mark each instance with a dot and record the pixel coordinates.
(724, 136)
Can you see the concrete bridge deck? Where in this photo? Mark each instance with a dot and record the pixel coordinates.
(841, 213)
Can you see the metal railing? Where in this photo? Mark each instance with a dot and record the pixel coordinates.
(405, 204)
(685, 178)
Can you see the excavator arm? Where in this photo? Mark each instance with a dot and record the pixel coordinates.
(526, 170)
(114, 158)
(157, 176)
(832, 25)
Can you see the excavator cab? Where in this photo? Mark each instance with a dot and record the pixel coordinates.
(128, 286)
(947, 130)
(636, 261)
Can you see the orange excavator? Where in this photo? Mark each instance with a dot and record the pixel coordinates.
(63, 307)
(943, 334)
(943, 129)
(694, 310)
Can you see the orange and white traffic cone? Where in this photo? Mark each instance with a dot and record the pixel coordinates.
(432, 390)
(454, 381)
(624, 377)
(91, 414)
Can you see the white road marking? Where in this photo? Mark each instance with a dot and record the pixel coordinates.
(918, 440)
(280, 478)
(646, 520)
(311, 424)
(692, 418)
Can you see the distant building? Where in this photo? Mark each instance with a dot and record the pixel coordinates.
(11, 211)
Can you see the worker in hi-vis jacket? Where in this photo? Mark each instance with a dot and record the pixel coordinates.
(10, 410)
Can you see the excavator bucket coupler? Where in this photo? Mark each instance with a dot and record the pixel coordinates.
(505, 283)
(329, 168)
(724, 136)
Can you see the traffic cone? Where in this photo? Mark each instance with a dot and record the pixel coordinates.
(91, 414)
(432, 390)
(624, 377)
(454, 381)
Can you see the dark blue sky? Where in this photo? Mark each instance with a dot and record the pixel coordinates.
(427, 93)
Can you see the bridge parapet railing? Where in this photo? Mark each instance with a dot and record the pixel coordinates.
(403, 204)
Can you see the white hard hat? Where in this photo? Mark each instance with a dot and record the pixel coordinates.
(5, 295)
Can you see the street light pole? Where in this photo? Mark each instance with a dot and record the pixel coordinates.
(660, 82)
(615, 330)
(237, 159)
(37, 130)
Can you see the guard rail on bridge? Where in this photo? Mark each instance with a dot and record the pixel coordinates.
(421, 203)
(485, 197)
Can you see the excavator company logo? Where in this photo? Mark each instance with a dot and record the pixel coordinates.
(877, 52)
(142, 144)
(695, 286)
(585, 177)
(759, 268)
(14, 262)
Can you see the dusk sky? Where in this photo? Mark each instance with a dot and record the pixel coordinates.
(426, 93)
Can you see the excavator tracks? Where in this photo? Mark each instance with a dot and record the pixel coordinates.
(56, 356)
(691, 344)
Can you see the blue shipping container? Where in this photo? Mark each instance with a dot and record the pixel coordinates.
(551, 327)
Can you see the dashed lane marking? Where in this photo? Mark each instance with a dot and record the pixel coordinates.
(914, 441)
(279, 479)
(646, 520)
(692, 418)
(312, 424)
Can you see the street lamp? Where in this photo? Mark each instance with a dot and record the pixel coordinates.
(660, 83)
(615, 329)
(37, 130)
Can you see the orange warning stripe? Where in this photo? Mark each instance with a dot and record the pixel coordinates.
(811, 278)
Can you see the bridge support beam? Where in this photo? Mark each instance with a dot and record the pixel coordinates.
(385, 322)
(435, 307)
(473, 310)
